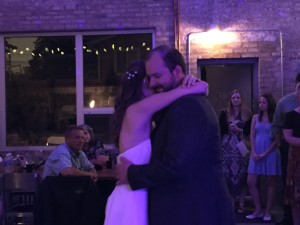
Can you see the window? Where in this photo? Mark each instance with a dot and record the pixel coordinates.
(52, 81)
(105, 58)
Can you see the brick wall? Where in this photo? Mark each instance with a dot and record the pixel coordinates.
(259, 19)
(70, 15)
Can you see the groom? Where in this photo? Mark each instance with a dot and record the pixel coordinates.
(184, 177)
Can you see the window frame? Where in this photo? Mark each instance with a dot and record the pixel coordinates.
(81, 111)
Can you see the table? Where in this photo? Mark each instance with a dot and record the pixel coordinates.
(107, 174)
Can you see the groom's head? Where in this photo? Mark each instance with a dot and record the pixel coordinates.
(165, 68)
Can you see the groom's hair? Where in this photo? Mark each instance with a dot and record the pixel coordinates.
(171, 57)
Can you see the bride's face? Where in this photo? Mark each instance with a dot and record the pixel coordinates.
(146, 90)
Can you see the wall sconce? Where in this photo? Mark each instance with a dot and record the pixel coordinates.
(213, 37)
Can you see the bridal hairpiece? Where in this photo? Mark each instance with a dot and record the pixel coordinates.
(131, 75)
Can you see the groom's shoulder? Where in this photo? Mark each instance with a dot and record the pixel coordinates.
(193, 101)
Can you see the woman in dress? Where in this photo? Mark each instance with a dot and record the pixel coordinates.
(235, 123)
(134, 108)
(265, 157)
(93, 149)
(291, 131)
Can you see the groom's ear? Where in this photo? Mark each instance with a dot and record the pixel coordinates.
(178, 73)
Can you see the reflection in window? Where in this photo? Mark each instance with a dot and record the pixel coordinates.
(40, 88)
(105, 60)
(41, 82)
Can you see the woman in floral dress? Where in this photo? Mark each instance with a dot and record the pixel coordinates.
(235, 122)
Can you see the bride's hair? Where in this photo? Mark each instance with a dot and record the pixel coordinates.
(130, 92)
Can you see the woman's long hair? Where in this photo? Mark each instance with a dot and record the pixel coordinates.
(271, 107)
(245, 112)
(130, 92)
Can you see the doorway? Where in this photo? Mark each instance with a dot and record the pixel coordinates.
(225, 75)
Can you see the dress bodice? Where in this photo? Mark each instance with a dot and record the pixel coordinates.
(263, 127)
(262, 136)
(139, 154)
(137, 213)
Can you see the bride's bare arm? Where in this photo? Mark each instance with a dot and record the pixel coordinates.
(148, 106)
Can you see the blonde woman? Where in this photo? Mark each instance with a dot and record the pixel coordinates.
(235, 121)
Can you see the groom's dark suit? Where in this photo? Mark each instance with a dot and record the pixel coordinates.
(184, 177)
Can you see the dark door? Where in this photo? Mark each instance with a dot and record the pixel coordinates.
(225, 75)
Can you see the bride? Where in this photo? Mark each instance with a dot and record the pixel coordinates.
(134, 108)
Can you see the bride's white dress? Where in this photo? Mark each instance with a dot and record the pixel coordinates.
(125, 206)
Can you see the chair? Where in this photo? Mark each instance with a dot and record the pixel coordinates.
(19, 191)
(69, 200)
(55, 140)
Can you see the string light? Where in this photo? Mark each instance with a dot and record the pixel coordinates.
(59, 51)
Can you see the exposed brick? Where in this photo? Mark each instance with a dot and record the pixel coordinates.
(257, 23)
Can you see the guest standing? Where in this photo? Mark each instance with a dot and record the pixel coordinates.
(291, 131)
(285, 104)
(235, 123)
(265, 156)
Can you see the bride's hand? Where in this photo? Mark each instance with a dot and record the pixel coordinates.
(189, 80)
(203, 87)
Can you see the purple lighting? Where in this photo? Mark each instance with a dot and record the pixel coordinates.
(38, 22)
(80, 23)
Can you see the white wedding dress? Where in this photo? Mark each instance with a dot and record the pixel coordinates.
(125, 206)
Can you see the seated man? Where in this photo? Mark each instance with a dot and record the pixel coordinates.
(68, 159)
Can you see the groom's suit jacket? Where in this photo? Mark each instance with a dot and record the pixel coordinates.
(184, 177)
